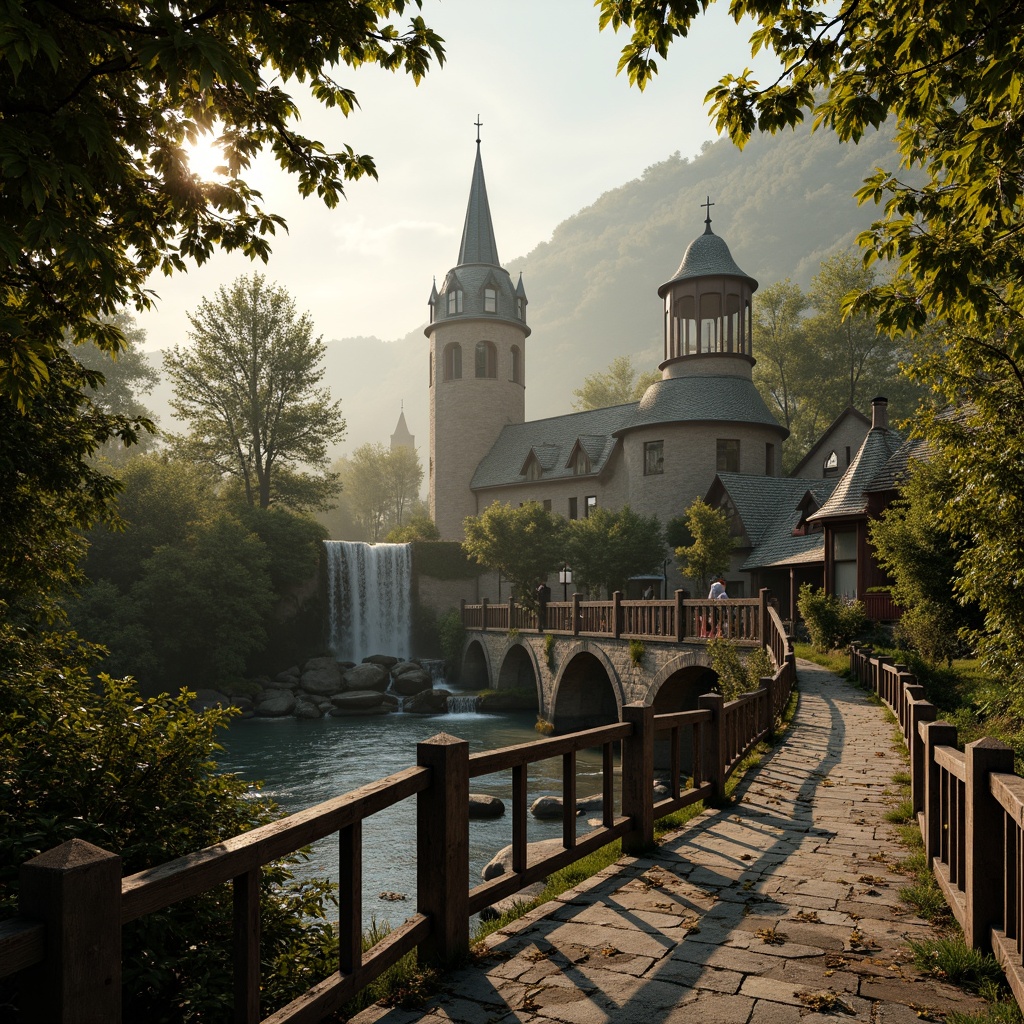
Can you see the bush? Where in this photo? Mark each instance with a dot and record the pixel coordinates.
(735, 674)
(931, 631)
(137, 777)
(831, 621)
(452, 635)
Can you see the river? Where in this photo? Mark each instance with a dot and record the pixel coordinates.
(302, 763)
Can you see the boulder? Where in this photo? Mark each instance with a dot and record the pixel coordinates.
(404, 666)
(483, 805)
(501, 862)
(384, 660)
(276, 707)
(322, 677)
(547, 807)
(307, 709)
(427, 702)
(292, 673)
(412, 682)
(353, 699)
(274, 693)
(365, 677)
(587, 804)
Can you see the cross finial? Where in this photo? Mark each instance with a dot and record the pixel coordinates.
(707, 206)
(478, 124)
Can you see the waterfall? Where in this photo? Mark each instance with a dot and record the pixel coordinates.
(369, 599)
(462, 705)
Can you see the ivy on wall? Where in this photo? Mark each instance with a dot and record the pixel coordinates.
(442, 560)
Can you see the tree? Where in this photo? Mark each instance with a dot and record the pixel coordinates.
(619, 385)
(419, 527)
(380, 486)
(711, 551)
(524, 543)
(607, 547)
(99, 103)
(778, 327)
(247, 387)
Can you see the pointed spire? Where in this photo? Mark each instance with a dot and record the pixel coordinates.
(478, 245)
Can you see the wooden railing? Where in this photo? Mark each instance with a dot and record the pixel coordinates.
(675, 621)
(969, 805)
(64, 948)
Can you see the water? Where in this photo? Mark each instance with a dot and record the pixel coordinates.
(305, 762)
(369, 599)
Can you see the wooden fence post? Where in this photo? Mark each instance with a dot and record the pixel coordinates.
(882, 680)
(714, 747)
(576, 614)
(919, 711)
(75, 891)
(442, 842)
(936, 734)
(638, 777)
(617, 614)
(984, 852)
(680, 618)
(768, 707)
(763, 623)
(483, 614)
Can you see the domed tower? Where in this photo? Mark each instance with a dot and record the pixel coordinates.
(477, 335)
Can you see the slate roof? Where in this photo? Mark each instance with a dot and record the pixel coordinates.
(849, 497)
(693, 399)
(478, 244)
(893, 473)
(705, 256)
(552, 440)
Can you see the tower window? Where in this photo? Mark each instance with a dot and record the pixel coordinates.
(454, 300)
(831, 465)
(519, 307)
(453, 362)
(517, 365)
(590, 503)
(728, 452)
(573, 510)
(486, 359)
(654, 458)
(490, 300)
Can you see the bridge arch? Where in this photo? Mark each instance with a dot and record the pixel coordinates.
(519, 671)
(587, 691)
(676, 688)
(476, 666)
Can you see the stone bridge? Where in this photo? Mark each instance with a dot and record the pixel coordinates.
(594, 657)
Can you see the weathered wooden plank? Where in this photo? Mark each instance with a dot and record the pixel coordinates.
(952, 760)
(22, 944)
(488, 762)
(246, 943)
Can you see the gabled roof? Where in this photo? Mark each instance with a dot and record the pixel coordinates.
(849, 497)
(593, 430)
(895, 471)
(545, 455)
(823, 442)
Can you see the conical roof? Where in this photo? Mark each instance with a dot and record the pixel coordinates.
(478, 245)
(707, 256)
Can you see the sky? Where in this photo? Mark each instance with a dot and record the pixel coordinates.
(559, 129)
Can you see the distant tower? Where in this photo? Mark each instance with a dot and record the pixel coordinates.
(401, 438)
(477, 335)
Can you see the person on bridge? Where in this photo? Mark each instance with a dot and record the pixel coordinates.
(543, 596)
(717, 592)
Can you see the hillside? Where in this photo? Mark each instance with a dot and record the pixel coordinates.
(783, 204)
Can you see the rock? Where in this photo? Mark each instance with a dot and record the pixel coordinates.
(405, 666)
(547, 807)
(661, 791)
(392, 701)
(274, 693)
(483, 805)
(427, 702)
(289, 673)
(501, 862)
(242, 703)
(588, 804)
(412, 682)
(276, 707)
(321, 676)
(365, 677)
(307, 709)
(286, 683)
(514, 701)
(352, 699)
(384, 660)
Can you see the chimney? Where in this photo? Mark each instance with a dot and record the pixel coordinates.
(880, 413)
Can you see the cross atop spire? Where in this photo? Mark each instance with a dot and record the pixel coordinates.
(707, 205)
(479, 125)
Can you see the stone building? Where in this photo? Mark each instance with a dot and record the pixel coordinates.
(702, 431)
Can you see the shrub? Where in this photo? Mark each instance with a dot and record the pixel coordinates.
(637, 651)
(736, 675)
(549, 651)
(831, 621)
(931, 631)
(452, 635)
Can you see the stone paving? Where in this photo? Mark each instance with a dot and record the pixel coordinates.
(781, 907)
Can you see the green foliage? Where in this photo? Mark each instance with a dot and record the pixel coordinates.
(831, 621)
(420, 527)
(606, 548)
(442, 560)
(452, 635)
(737, 674)
(781, 363)
(619, 385)
(637, 652)
(99, 105)
(953, 960)
(549, 651)
(677, 533)
(711, 551)
(138, 777)
(247, 388)
(381, 485)
(524, 543)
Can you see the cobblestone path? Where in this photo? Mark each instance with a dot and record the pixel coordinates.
(780, 907)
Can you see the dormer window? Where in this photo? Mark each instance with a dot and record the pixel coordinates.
(533, 470)
(454, 301)
(490, 300)
(519, 307)
(831, 466)
(580, 463)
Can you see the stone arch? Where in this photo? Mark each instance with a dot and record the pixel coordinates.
(476, 666)
(519, 670)
(587, 690)
(676, 688)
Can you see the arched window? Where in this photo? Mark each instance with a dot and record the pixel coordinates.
(486, 359)
(710, 315)
(453, 361)
(517, 365)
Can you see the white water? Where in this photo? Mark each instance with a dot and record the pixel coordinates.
(462, 705)
(369, 599)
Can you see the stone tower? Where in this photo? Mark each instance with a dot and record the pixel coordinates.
(402, 438)
(477, 335)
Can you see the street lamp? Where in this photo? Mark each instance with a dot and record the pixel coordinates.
(664, 576)
(565, 578)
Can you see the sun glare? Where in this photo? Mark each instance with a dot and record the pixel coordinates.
(204, 157)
